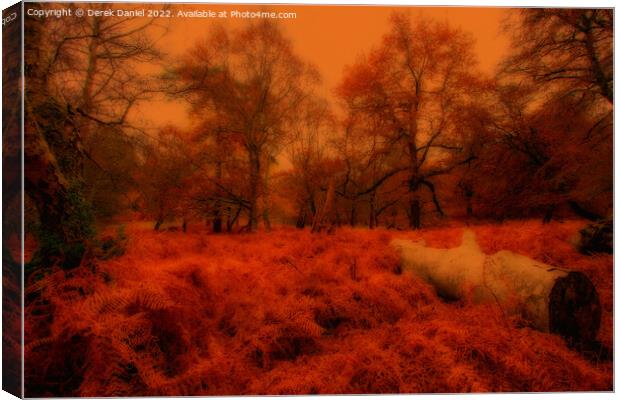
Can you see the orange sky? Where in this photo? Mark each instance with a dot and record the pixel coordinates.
(331, 37)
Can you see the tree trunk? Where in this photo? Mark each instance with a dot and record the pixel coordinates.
(217, 224)
(392, 220)
(267, 219)
(217, 218)
(157, 225)
(548, 215)
(91, 68)
(301, 218)
(160, 220)
(51, 135)
(63, 238)
(468, 193)
(470, 209)
(415, 221)
(414, 164)
(254, 188)
(353, 214)
(604, 82)
(551, 299)
(324, 215)
(44, 182)
(266, 203)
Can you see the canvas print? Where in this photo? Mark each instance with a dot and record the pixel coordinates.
(234, 199)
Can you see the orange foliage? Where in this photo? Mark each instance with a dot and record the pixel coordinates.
(289, 312)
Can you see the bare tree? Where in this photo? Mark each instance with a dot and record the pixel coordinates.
(554, 106)
(410, 88)
(252, 78)
(307, 151)
(164, 175)
(218, 190)
(570, 48)
(80, 77)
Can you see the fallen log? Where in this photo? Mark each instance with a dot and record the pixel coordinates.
(549, 298)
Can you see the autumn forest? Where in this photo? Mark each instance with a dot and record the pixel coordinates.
(223, 211)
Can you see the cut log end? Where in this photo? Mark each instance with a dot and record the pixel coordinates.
(574, 308)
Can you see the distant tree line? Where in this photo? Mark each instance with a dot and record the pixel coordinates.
(420, 133)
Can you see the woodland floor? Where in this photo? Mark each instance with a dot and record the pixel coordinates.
(289, 312)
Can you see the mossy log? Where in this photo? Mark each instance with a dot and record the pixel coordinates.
(549, 298)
